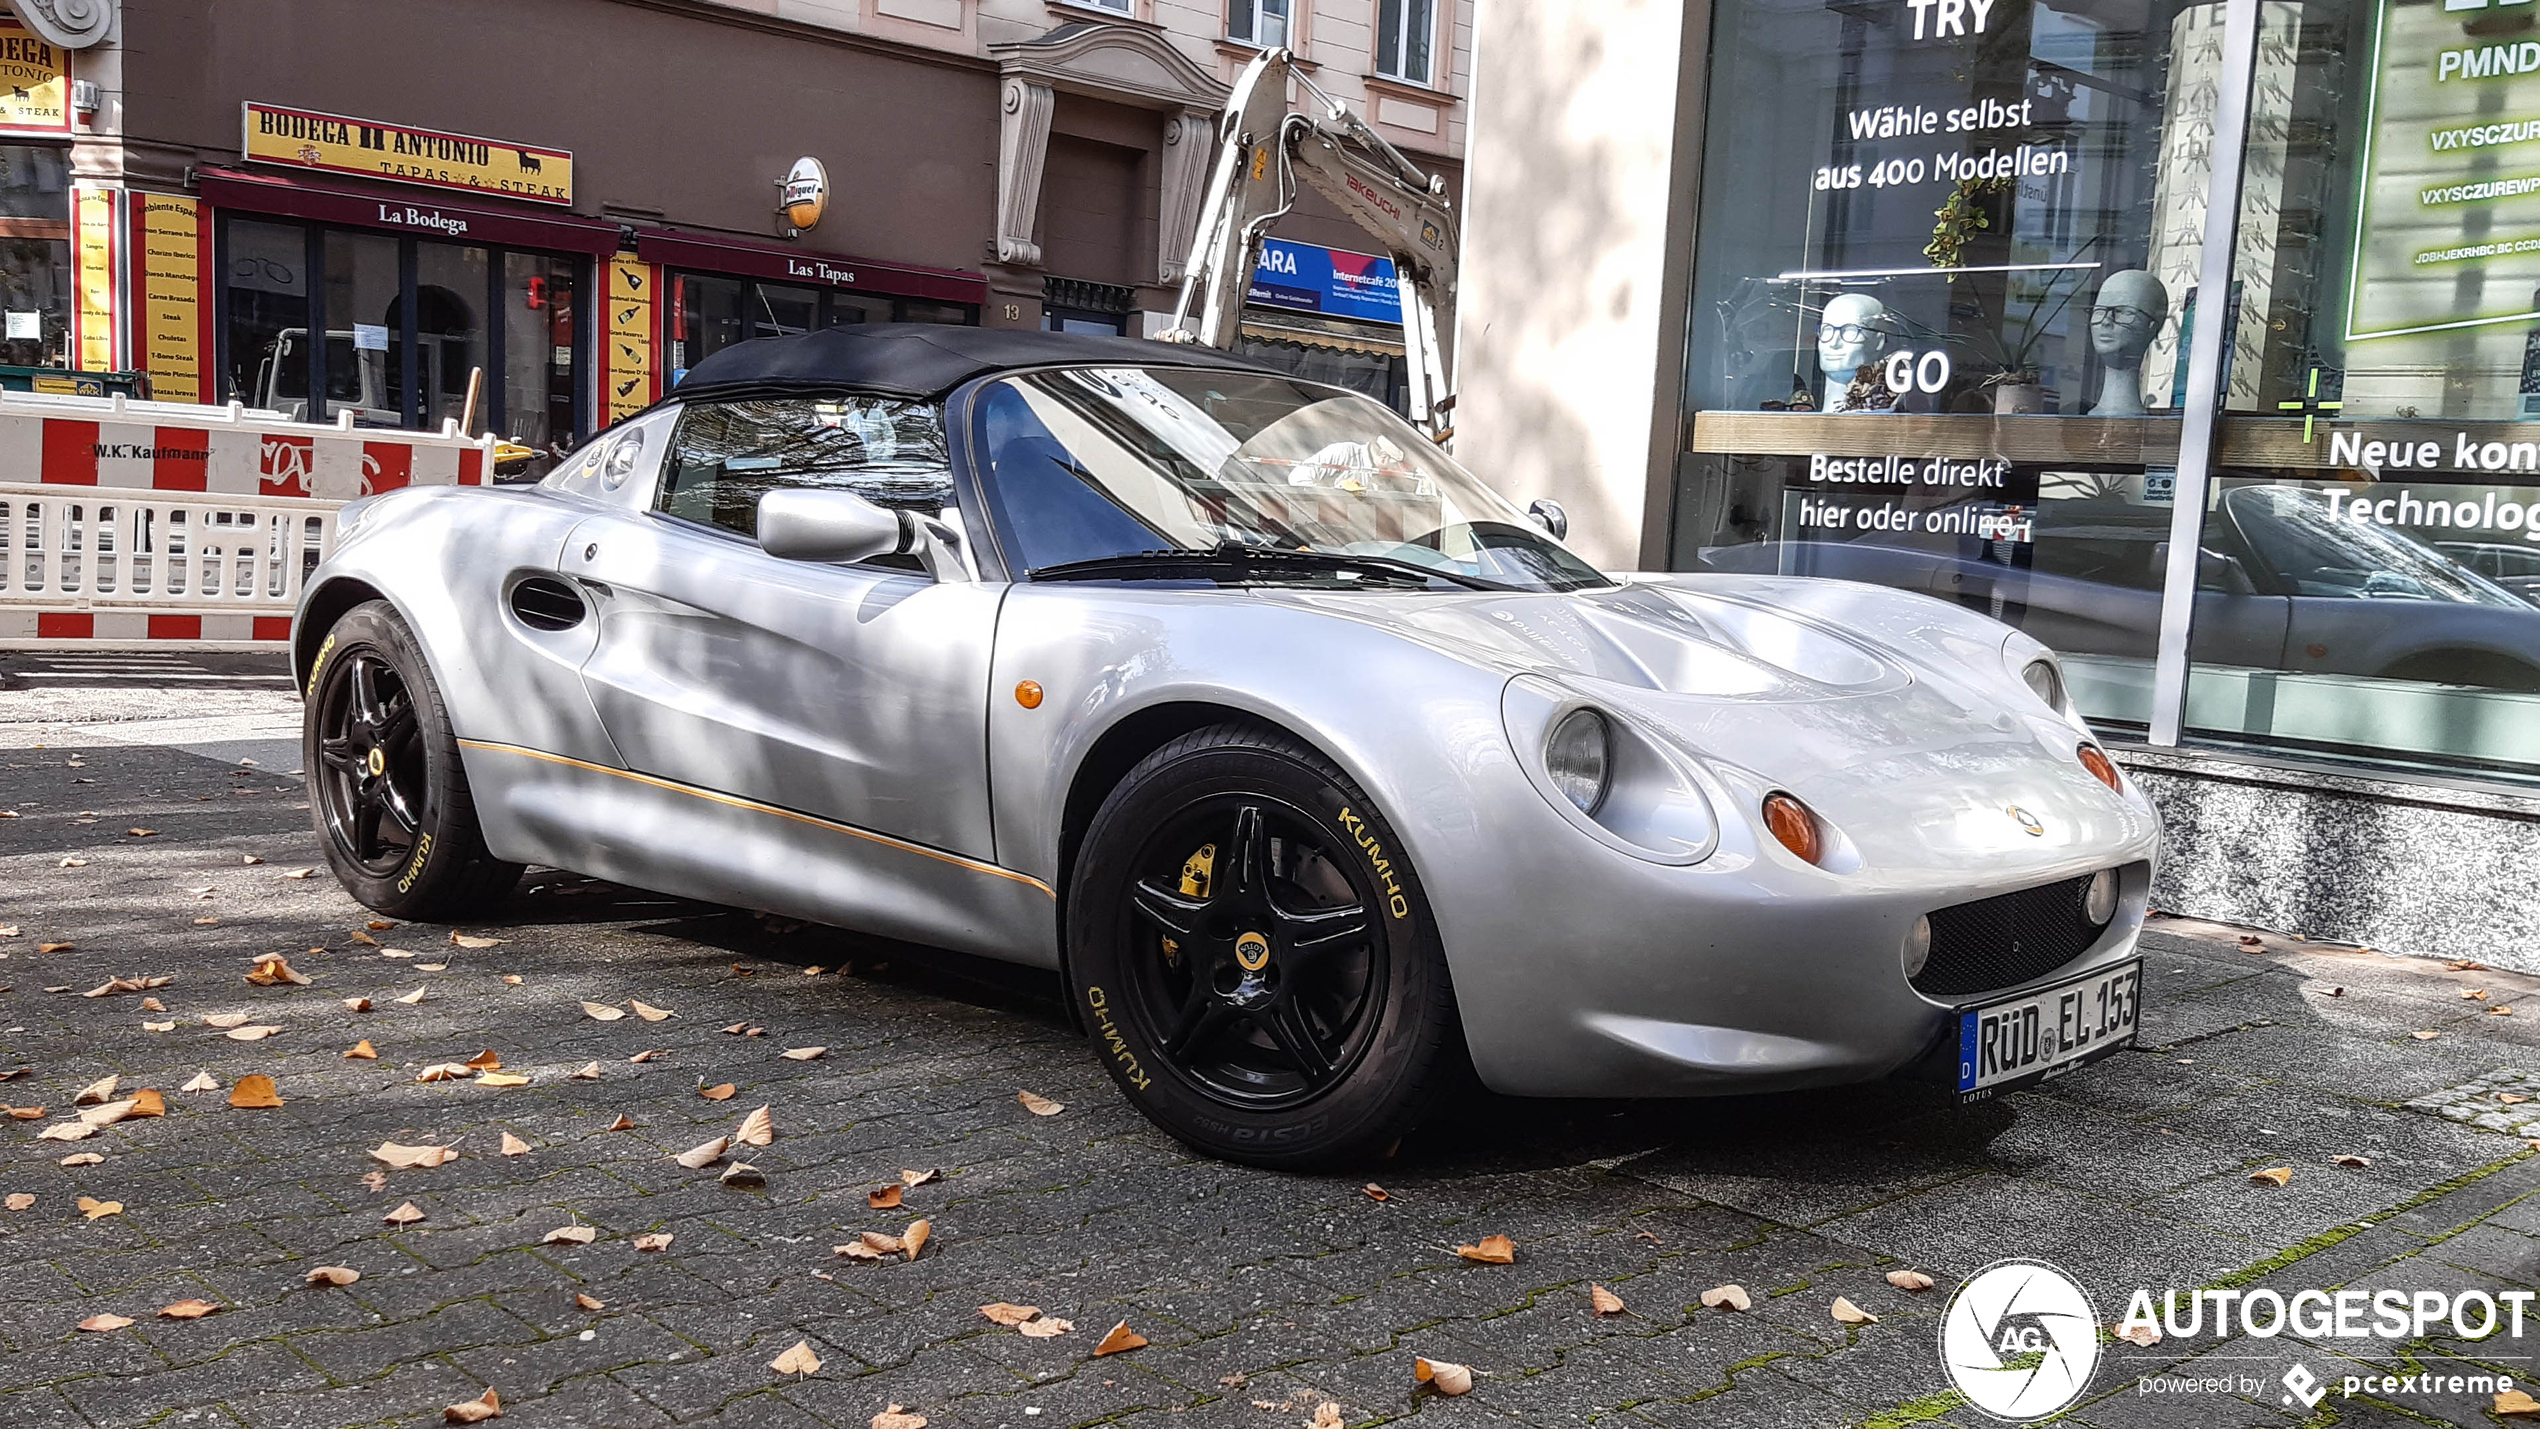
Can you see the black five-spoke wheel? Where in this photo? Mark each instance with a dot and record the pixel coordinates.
(1252, 952)
(371, 774)
(1264, 981)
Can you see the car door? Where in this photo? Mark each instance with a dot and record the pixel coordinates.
(854, 693)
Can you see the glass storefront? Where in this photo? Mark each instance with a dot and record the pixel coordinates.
(1945, 327)
(35, 256)
(709, 313)
(409, 325)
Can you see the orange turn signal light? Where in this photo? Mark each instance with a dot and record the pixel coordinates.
(2101, 767)
(1028, 694)
(1793, 824)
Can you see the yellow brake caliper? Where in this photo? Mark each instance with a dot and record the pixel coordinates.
(1197, 872)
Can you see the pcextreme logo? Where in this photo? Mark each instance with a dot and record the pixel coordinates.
(2020, 1340)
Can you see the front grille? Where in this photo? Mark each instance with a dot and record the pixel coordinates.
(2005, 941)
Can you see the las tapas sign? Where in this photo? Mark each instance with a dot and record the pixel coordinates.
(403, 153)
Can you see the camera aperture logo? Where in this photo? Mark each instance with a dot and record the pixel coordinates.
(2020, 1340)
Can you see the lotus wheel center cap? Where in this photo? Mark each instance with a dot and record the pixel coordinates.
(378, 761)
(1252, 952)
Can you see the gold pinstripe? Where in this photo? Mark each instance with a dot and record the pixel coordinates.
(734, 801)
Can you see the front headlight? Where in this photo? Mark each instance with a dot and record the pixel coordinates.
(2042, 678)
(1578, 754)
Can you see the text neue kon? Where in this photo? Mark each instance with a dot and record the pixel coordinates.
(2468, 453)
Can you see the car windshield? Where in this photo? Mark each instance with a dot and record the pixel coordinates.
(1097, 464)
(2318, 554)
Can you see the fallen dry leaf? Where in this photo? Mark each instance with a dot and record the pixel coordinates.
(883, 1198)
(410, 1000)
(202, 1082)
(587, 1072)
(82, 1158)
(489, 1405)
(1727, 1297)
(2350, 1159)
(364, 938)
(408, 1158)
(24, 1113)
(152, 1004)
(187, 1310)
(1121, 1340)
(737, 1029)
(404, 1215)
(295, 873)
(502, 1079)
(158, 1027)
(357, 1004)
(623, 1123)
(1327, 1415)
(2474, 994)
(273, 969)
(2425, 1036)
(2508, 1401)
(514, 1146)
(362, 1051)
(897, 1418)
(1009, 1315)
(18, 1201)
(2500, 1012)
(1039, 1105)
(67, 1131)
(108, 1114)
(1913, 1280)
(55, 947)
(225, 1019)
(644, 1056)
(333, 1275)
(470, 940)
(446, 1072)
(1048, 1327)
(858, 1250)
(650, 1013)
(1847, 1313)
(1494, 1250)
(1604, 1301)
(1442, 1376)
(2140, 1333)
(512, 979)
(2465, 965)
(757, 1129)
(803, 1054)
(377, 1181)
(743, 1175)
(141, 833)
(102, 1090)
(589, 1302)
(253, 1032)
(660, 1241)
(2251, 940)
(100, 1324)
(798, 1360)
(255, 1090)
(98, 1210)
(720, 1093)
(1376, 1192)
(486, 1061)
(570, 1235)
(914, 1240)
(2273, 1175)
(705, 1153)
(915, 1179)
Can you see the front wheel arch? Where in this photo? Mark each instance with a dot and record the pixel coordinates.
(319, 610)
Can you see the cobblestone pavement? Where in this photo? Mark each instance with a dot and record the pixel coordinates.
(1262, 1296)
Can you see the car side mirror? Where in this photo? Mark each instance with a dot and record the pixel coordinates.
(1548, 514)
(828, 526)
(2216, 571)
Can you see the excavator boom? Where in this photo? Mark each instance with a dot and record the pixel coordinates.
(1264, 152)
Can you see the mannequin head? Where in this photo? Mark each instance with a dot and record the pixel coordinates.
(2129, 312)
(1851, 332)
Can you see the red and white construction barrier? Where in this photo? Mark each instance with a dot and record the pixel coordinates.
(128, 522)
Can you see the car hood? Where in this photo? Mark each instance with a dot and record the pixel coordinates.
(1895, 715)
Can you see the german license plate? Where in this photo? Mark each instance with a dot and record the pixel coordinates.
(2046, 1034)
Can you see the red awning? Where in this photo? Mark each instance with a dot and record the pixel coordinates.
(784, 264)
(399, 213)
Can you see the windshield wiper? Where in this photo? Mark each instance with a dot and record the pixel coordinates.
(1233, 563)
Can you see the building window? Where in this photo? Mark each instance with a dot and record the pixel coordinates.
(1403, 28)
(35, 256)
(1125, 7)
(1258, 22)
(709, 313)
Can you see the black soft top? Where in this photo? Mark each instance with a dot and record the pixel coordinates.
(921, 359)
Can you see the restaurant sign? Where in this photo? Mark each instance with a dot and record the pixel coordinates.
(402, 153)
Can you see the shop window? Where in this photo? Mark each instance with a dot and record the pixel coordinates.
(1258, 22)
(266, 300)
(450, 334)
(1935, 307)
(539, 372)
(365, 370)
(1402, 38)
(779, 311)
(35, 256)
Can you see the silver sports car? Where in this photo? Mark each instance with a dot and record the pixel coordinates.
(1312, 766)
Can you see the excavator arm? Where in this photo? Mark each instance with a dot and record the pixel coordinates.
(1264, 151)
